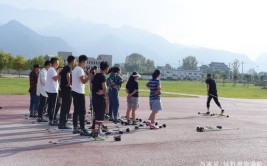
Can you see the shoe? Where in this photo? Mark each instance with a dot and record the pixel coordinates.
(207, 113)
(115, 120)
(41, 120)
(85, 133)
(222, 112)
(63, 127)
(134, 122)
(148, 123)
(35, 115)
(55, 123)
(76, 131)
(31, 115)
(107, 116)
(111, 119)
(152, 126)
(97, 137)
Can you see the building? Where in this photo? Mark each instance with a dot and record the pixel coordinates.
(64, 55)
(96, 61)
(219, 66)
(180, 74)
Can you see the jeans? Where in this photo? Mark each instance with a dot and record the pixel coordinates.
(42, 105)
(113, 102)
(34, 104)
(65, 108)
(79, 109)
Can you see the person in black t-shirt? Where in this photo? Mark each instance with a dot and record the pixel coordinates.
(65, 86)
(98, 97)
(132, 98)
(212, 93)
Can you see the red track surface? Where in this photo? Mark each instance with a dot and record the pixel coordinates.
(23, 142)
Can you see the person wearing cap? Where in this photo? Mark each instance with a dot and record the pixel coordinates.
(132, 97)
(41, 92)
(33, 78)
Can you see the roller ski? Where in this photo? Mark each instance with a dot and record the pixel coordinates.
(114, 132)
(213, 128)
(149, 125)
(204, 113)
(221, 114)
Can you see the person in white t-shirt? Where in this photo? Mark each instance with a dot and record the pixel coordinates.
(51, 87)
(41, 91)
(79, 78)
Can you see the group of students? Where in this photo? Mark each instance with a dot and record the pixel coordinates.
(54, 87)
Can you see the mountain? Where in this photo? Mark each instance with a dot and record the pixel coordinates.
(21, 40)
(92, 39)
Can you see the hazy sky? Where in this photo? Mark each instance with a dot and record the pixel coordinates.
(234, 25)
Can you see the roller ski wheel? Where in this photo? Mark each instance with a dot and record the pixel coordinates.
(117, 138)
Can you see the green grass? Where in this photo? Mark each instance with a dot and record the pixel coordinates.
(20, 86)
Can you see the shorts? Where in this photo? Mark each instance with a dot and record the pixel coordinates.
(133, 102)
(155, 105)
(99, 107)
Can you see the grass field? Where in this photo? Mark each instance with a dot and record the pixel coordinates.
(20, 86)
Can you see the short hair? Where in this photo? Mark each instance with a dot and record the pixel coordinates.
(70, 58)
(46, 63)
(116, 69)
(82, 58)
(104, 65)
(36, 66)
(53, 60)
(208, 75)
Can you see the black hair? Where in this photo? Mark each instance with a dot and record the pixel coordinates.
(104, 65)
(36, 66)
(53, 60)
(115, 69)
(110, 70)
(70, 58)
(82, 58)
(208, 75)
(46, 63)
(130, 80)
(155, 74)
(92, 70)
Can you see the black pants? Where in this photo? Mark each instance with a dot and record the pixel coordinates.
(79, 109)
(65, 107)
(52, 101)
(99, 107)
(213, 96)
(42, 105)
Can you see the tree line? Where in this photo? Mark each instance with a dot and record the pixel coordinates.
(20, 63)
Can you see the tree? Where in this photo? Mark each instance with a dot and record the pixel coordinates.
(235, 68)
(137, 62)
(189, 63)
(3, 61)
(36, 60)
(19, 64)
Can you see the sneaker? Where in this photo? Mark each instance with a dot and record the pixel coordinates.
(35, 115)
(85, 133)
(152, 126)
(207, 113)
(222, 112)
(111, 119)
(50, 123)
(76, 131)
(63, 127)
(97, 137)
(148, 123)
(31, 115)
(106, 116)
(55, 123)
(41, 120)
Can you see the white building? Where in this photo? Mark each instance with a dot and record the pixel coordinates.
(96, 61)
(180, 74)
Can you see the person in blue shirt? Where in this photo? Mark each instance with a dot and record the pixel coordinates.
(154, 98)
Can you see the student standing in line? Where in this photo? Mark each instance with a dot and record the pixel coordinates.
(33, 78)
(79, 78)
(65, 87)
(133, 96)
(41, 92)
(154, 98)
(51, 87)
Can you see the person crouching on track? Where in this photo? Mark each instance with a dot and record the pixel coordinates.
(154, 98)
(212, 93)
(133, 96)
(79, 78)
(98, 98)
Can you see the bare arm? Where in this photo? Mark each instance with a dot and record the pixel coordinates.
(68, 79)
(84, 79)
